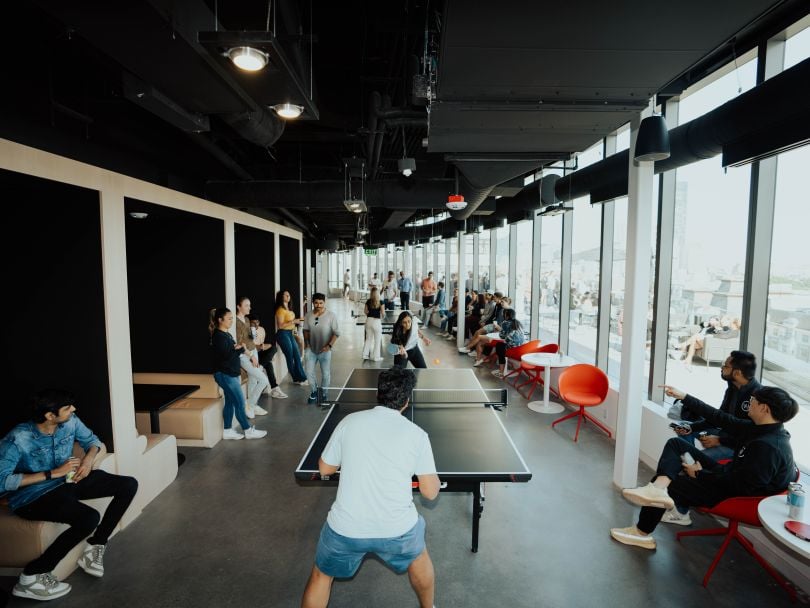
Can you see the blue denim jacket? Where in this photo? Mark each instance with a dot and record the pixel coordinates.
(25, 450)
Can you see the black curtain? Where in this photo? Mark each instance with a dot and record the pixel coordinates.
(289, 269)
(255, 275)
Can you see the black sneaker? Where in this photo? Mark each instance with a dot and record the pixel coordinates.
(313, 398)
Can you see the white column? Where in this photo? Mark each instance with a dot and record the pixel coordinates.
(406, 259)
(534, 322)
(116, 306)
(460, 309)
(276, 263)
(636, 295)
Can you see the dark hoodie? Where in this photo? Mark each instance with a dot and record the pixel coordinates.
(763, 460)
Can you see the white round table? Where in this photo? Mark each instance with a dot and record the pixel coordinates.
(773, 513)
(547, 361)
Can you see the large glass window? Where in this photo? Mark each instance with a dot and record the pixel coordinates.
(502, 260)
(483, 261)
(419, 252)
(585, 259)
(787, 339)
(550, 267)
(522, 299)
(705, 98)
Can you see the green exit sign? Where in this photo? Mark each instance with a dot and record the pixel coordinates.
(370, 251)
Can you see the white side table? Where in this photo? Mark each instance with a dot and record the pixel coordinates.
(547, 361)
(773, 513)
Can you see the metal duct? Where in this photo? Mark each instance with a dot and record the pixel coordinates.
(262, 127)
(391, 194)
(773, 105)
(477, 180)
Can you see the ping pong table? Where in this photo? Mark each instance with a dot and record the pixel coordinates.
(388, 318)
(470, 443)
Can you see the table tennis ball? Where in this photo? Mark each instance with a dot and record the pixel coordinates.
(436, 362)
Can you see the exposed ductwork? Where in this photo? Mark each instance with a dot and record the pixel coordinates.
(391, 194)
(752, 118)
(383, 117)
(262, 127)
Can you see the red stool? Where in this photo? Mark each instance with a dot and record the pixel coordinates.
(738, 510)
(583, 385)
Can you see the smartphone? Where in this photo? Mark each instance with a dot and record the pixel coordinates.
(682, 426)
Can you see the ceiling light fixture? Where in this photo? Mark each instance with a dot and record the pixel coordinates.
(248, 58)
(652, 141)
(555, 210)
(288, 110)
(456, 202)
(406, 165)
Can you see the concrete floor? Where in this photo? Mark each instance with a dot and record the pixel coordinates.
(235, 529)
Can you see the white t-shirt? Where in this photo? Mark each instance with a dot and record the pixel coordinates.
(378, 451)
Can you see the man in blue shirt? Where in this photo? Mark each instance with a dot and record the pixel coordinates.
(405, 285)
(44, 482)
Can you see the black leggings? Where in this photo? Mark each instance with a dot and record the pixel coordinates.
(414, 356)
(62, 505)
(500, 348)
(266, 359)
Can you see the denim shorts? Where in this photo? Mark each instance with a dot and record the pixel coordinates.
(340, 556)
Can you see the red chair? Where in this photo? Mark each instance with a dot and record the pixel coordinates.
(515, 353)
(583, 385)
(738, 510)
(534, 373)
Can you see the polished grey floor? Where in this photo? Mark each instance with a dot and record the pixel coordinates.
(235, 529)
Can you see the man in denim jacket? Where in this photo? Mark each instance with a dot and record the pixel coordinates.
(44, 482)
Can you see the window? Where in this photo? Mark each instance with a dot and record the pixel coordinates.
(787, 337)
(502, 260)
(418, 260)
(440, 272)
(550, 267)
(585, 259)
(522, 298)
(483, 261)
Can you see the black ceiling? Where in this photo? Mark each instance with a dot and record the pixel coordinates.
(140, 87)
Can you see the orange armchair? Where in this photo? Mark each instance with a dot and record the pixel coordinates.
(583, 385)
(516, 353)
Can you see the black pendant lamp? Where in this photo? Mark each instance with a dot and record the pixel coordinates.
(652, 142)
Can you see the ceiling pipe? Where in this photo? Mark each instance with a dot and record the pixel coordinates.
(262, 127)
(389, 194)
(768, 108)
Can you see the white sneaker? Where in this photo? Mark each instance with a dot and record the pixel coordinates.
(277, 393)
(673, 516)
(464, 349)
(92, 560)
(378, 358)
(303, 383)
(249, 412)
(478, 362)
(254, 433)
(497, 373)
(43, 586)
(649, 496)
(231, 434)
(472, 353)
(259, 411)
(633, 536)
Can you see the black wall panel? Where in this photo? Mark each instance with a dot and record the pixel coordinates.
(255, 275)
(55, 330)
(289, 269)
(176, 274)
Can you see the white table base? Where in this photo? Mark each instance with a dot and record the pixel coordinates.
(544, 407)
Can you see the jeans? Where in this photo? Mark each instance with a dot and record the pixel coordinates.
(373, 341)
(62, 505)
(720, 452)
(234, 400)
(288, 345)
(445, 315)
(325, 361)
(266, 361)
(684, 490)
(257, 380)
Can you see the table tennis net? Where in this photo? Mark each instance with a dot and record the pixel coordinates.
(428, 397)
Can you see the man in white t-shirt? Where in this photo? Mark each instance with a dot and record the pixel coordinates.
(378, 451)
(347, 283)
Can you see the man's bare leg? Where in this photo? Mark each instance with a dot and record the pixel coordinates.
(422, 578)
(319, 586)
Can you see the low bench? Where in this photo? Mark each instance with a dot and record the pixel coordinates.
(196, 420)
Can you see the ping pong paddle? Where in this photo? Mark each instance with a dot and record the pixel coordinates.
(798, 528)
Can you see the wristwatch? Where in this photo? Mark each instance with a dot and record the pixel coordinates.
(47, 475)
